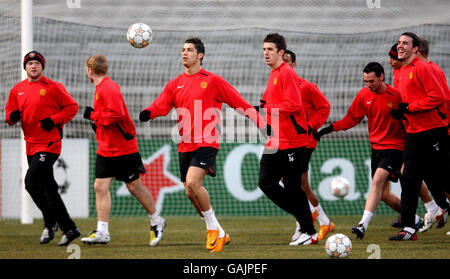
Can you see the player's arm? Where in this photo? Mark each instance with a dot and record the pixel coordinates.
(113, 111)
(291, 94)
(434, 95)
(68, 106)
(354, 115)
(320, 104)
(12, 112)
(229, 95)
(161, 106)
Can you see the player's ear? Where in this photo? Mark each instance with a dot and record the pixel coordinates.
(382, 77)
(200, 55)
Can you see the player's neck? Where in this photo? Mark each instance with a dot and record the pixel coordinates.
(34, 79)
(276, 64)
(409, 60)
(97, 79)
(193, 69)
(382, 88)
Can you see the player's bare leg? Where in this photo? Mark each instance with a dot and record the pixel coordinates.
(325, 225)
(145, 198)
(433, 210)
(216, 236)
(103, 206)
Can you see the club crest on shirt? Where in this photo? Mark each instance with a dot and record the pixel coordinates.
(390, 105)
(411, 75)
(96, 97)
(274, 81)
(204, 84)
(43, 92)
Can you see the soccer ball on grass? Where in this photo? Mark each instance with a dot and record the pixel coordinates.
(338, 246)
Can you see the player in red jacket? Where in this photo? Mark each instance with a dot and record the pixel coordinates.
(197, 95)
(117, 153)
(426, 146)
(430, 205)
(286, 147)
(317, 109)
(386, 135)
(433, 214)
(43, 106)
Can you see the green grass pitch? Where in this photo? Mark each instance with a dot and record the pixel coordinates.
(251, 238)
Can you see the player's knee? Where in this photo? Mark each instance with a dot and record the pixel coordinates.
(132, 187)
(100, 188)
(191, 188)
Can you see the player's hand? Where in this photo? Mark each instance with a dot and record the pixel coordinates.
(144, 116)
(397, 114)
(323, 132)
(15, 116)
(87, 113)
(47, 124)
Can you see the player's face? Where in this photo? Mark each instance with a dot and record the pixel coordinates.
(189, 55)
(373, 82)
(395, 63)
(89, 73)
(405, 48)
(288, 59)
(33, 69)
(272, 55)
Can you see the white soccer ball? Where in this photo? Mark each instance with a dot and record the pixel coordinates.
(338, 246)
(139, 35)
(339, 187)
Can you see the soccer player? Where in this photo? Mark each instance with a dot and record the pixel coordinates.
(197, 95)
(284, 151)
(117, 153)
(430, 205)
(43, 106)
(317, 109)
(386, 135)
(426, 145)
(433, 215)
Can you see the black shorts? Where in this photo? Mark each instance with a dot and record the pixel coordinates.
(387, 159)
(124, 168)
(203, 157)
(305, 158)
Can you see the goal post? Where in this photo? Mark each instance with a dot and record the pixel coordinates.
(26, 216)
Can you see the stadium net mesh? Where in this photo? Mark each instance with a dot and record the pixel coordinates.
(330, 53)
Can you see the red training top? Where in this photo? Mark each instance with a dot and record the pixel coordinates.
(285, 111)
(385, 132)
(36, 101)
(420, 89)
(440, 76)
(317, 108)
(116, 134)
(198, 102)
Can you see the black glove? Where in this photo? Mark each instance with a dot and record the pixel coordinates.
(312, 131)
(400, 112)
(47, 124)
(266, 131)
(257, 108)
(324, 131)
(144, 116)
(87, 113)
(15, 116)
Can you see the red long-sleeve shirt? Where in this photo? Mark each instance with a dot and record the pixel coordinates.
(198, 102)
(113, 121)
(420, 89)
(37, 101)
(395, 78)
(385, 132)
(440, 76)
(317, 108)
(285, 111)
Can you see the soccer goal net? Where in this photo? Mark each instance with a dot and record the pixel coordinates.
(332, 42)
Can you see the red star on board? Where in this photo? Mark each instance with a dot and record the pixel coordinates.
(157, 179)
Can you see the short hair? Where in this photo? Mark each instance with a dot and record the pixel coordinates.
(98, 63)
(277, 39)
(424, 47)
(414, 37)
(292, 54)
(198, 45)
(375, 67)
(393, 53)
